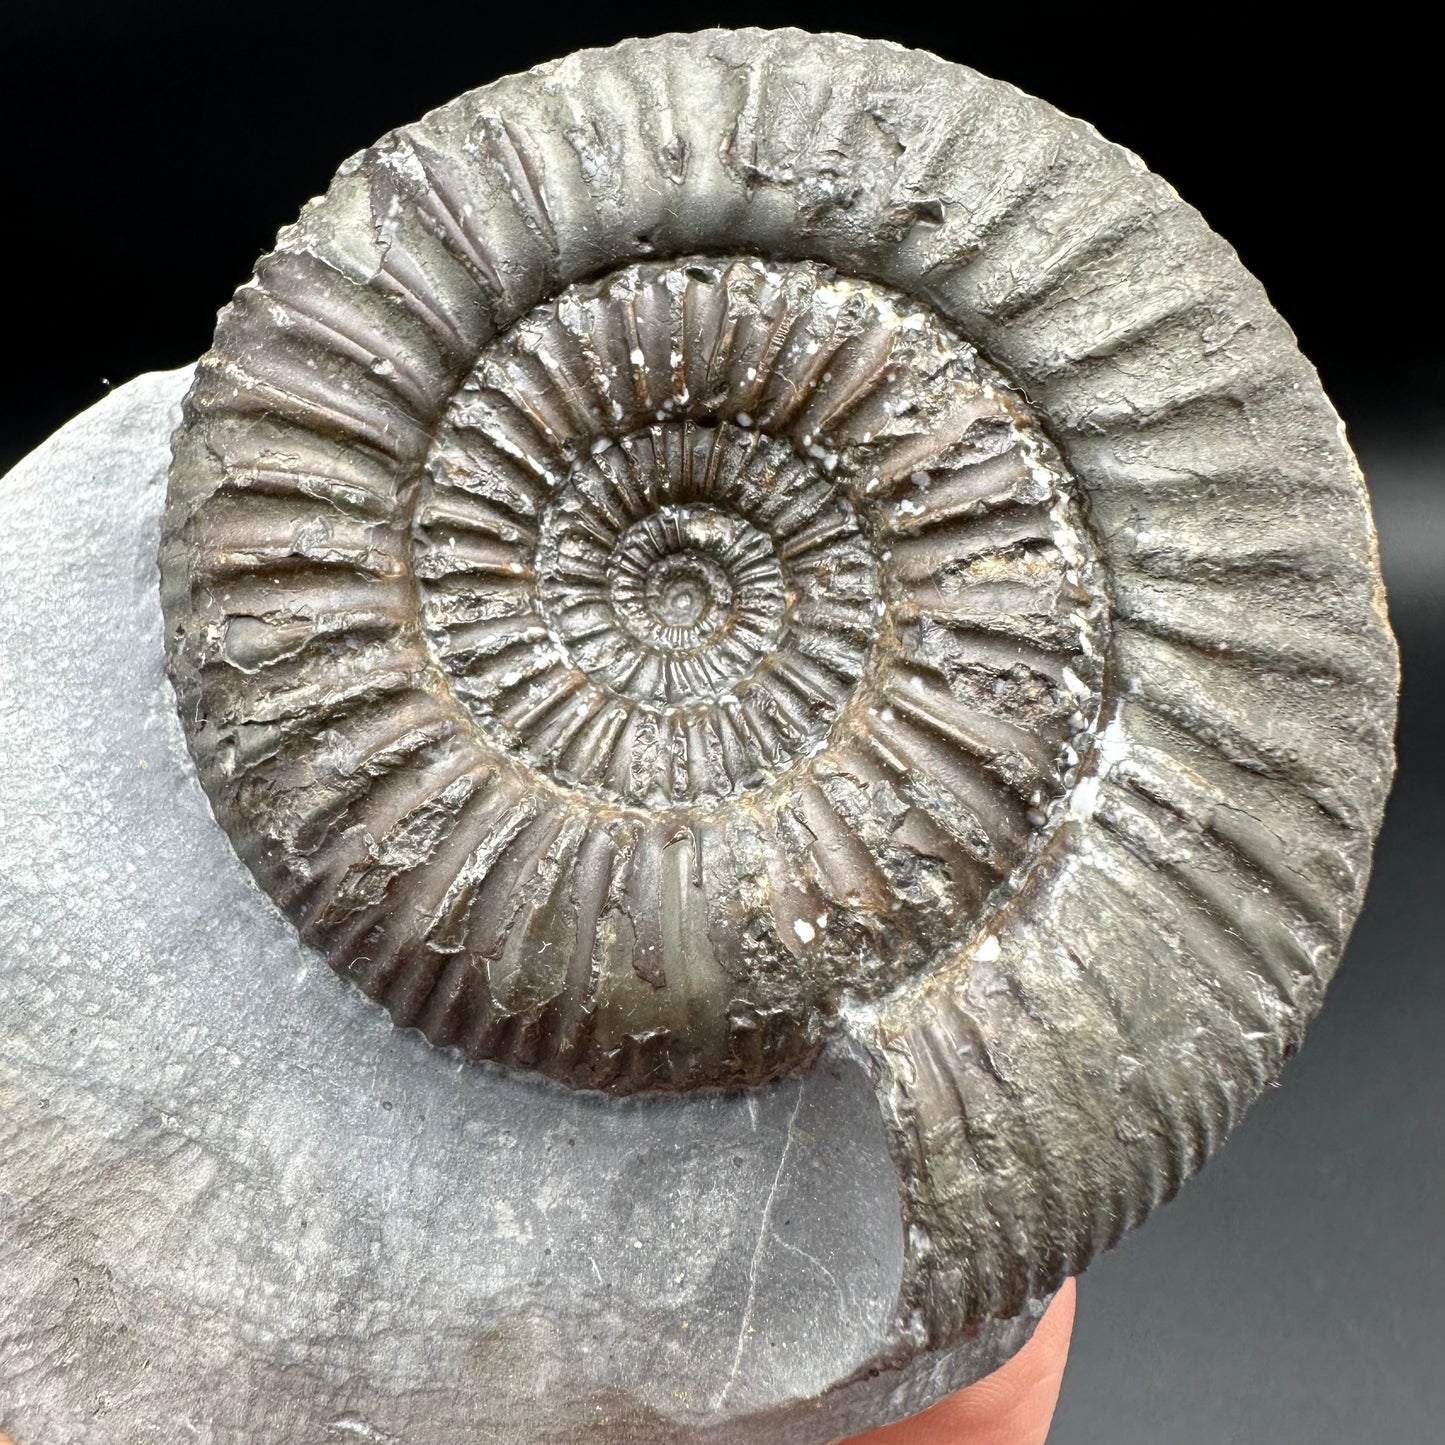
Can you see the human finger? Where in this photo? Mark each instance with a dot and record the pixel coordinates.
(1012, 1406)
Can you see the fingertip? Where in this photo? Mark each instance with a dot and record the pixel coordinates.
(1013, 1406)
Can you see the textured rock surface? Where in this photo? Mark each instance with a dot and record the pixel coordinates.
(237, 1205)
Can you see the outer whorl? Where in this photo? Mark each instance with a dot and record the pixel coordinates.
(743, 537)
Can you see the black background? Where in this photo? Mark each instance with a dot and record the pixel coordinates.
(1294, 1294)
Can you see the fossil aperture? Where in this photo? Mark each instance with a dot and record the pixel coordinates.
(741, 537)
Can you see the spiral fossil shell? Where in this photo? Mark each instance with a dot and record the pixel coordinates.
(748, 537)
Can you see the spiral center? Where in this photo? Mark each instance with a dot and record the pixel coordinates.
(692, 582)
(676, 598)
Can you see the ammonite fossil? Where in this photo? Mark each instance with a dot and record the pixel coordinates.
(745, 539)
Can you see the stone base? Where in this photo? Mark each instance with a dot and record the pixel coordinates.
(237, 1205)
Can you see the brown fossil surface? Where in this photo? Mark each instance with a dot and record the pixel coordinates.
(749, 538)
(721, 659)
